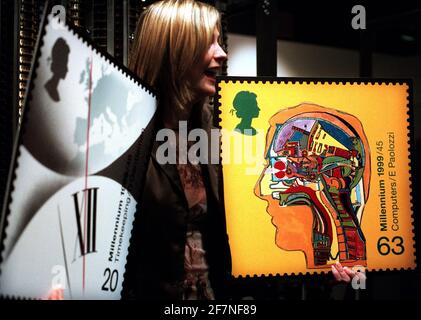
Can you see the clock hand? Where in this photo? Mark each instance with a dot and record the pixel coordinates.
(64, 253)
(87, 167)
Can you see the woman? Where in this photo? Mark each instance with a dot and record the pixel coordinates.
(179, 248)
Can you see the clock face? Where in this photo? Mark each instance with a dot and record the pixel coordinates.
(82, 134)
(77, 240)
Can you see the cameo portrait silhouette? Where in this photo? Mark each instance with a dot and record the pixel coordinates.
(59, 60)
(246, 108)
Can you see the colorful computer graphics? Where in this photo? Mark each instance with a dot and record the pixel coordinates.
(316, 171)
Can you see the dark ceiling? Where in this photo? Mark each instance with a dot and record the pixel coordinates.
(395, 27)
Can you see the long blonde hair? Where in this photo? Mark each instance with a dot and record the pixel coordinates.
(171, 37)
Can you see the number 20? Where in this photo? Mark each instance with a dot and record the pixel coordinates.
(112, 279)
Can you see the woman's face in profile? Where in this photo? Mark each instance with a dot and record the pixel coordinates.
(203, 74)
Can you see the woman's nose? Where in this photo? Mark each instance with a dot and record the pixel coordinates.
(220, 54)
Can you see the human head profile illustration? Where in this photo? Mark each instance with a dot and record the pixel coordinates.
(316, 183)
(246, 108)
(59, 59)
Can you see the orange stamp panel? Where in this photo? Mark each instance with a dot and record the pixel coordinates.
(316, 172)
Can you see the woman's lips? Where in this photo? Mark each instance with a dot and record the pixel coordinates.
(211, 73)
(211, 77)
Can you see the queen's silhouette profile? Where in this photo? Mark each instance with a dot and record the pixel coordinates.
(60, 58)
(246, 108)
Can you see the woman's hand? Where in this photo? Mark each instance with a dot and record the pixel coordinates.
(56, 294)
(343, 274)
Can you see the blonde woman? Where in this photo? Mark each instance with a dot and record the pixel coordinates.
(179, 248)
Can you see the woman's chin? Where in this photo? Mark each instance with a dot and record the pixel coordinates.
(206, 88)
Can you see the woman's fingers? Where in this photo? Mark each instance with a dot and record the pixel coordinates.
(56, 294)
(342, 273)
(336, 274)
(351, 273)
(345, 274)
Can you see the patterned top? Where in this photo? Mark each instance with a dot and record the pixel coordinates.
(196, 284)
